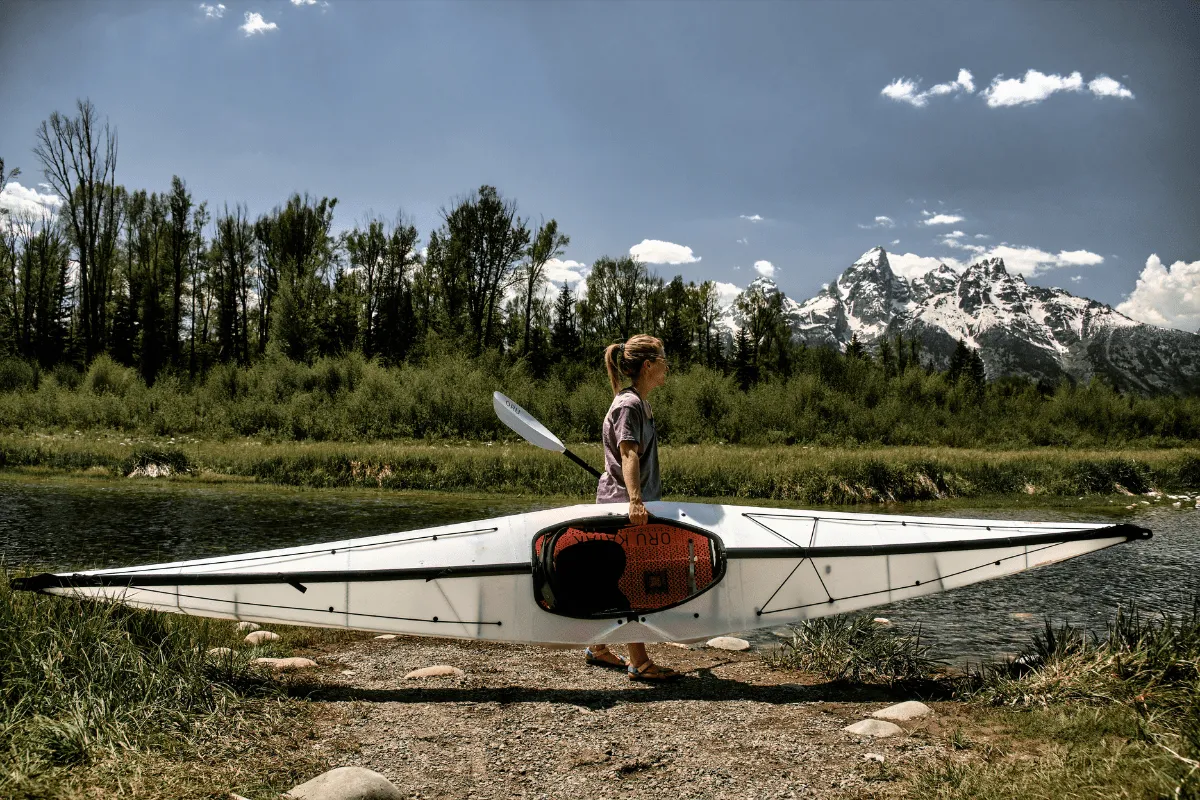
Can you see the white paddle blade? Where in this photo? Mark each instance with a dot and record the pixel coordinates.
(523, 423)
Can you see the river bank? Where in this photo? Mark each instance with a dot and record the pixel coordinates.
(524, 721)
(800, 474)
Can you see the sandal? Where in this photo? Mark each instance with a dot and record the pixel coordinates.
(652, 672)
(599, 660)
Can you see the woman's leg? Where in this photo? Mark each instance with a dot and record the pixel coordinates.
(637, 654)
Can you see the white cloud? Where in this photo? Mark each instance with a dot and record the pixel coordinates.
(895, 241)
(304, 2)
(902, 90)
(1033, 88)
(942, 219)
(982, 236)
(752, 217)
(560, 271)
(951, 240)
(215, 11)
(925, 213)
(911, 265)
(1104, 86)
(1033, 261)
(256, 24)
(880, 222)
(765, 268)
(1076, 278)
(654, 251)
(26, 203)
(1166, 296)
(726, 293)
(953, 234)
(743, 240)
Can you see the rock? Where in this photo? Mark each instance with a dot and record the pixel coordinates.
(387, 636)
(258, 637)
(247, 627)
(874, 727)
(285, 664)
(876, 757)
(220, 652)
(438, 671)
(1021, 615)
(882, 621)
(910, 709)
(680, 645)
(1177, 504)
(729, 643)
(346, 783)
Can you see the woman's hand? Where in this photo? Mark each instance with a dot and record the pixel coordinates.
(637, 512)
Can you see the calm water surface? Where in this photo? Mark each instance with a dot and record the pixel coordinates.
(76, 524)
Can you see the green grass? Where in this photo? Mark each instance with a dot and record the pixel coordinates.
(809, 475)
(856, 650)
(104, 698)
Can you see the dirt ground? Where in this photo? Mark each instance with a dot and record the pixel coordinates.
(534, 722)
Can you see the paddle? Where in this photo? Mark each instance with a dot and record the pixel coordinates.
(532, 431)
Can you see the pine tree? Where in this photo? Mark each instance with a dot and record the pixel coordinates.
(743, 360)
(959, 361)
(564, 338)
(854, 349)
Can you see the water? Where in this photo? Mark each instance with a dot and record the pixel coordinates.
(80, 524)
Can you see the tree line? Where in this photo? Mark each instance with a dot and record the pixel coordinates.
(158, 281)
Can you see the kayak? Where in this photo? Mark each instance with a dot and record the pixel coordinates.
(583, 574)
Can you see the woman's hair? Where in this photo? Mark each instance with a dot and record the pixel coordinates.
(627, 359)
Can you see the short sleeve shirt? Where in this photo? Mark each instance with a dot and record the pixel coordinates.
(629, 420)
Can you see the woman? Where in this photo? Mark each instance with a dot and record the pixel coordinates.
(631, 465)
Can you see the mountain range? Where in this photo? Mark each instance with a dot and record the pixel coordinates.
(1045, 334)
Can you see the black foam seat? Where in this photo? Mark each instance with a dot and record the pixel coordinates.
(586, 577)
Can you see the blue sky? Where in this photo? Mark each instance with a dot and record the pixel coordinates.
(734, 134)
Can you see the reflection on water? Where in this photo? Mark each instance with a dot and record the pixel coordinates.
(78, 524)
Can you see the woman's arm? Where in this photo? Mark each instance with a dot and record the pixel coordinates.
(631, 470)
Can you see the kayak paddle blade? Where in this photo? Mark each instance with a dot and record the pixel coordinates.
(523, 424)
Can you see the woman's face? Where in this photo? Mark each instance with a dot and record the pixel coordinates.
(656, 370)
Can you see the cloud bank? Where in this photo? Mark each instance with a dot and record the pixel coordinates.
(765, 268)
(903, 90)
(1166, 296)
(255, 24)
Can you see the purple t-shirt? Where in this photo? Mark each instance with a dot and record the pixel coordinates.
(628, 420)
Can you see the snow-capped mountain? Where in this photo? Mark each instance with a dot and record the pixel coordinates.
(1018, 329)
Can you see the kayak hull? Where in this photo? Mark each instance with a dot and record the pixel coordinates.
(477, 580)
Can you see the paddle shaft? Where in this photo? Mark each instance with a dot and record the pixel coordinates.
(591, 470)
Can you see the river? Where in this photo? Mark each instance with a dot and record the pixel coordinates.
(59, 523)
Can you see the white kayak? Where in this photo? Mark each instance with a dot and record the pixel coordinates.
(582, 574)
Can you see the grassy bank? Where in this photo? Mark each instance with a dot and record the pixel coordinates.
(830, 476)
(1116, 715)
(99, 700)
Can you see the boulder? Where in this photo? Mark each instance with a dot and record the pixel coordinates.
(285, 664)
(219, 652)
(876, 757)
(437, 671)
(346, 783)
(876, 728)
(729, 643)
(247, 627)
(882, 621)
(386, 636)
(258, 637)
(904, 711)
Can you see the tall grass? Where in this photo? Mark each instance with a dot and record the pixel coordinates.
(347, 398)
(87, 684)
(856, 650)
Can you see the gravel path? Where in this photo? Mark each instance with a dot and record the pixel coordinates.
(534, 722)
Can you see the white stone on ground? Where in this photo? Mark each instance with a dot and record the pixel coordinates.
(258, 637)
(1021, 615)
(247, 627)
(438, 671)
(729, 643)
(220, 652)
(386, 636)
(910, 709)
(877, 757)
(285, 664)
(874, 727)
(346, 783)
(680, 645)
(882, 621)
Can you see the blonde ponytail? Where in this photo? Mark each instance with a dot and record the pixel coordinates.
(627, 359)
